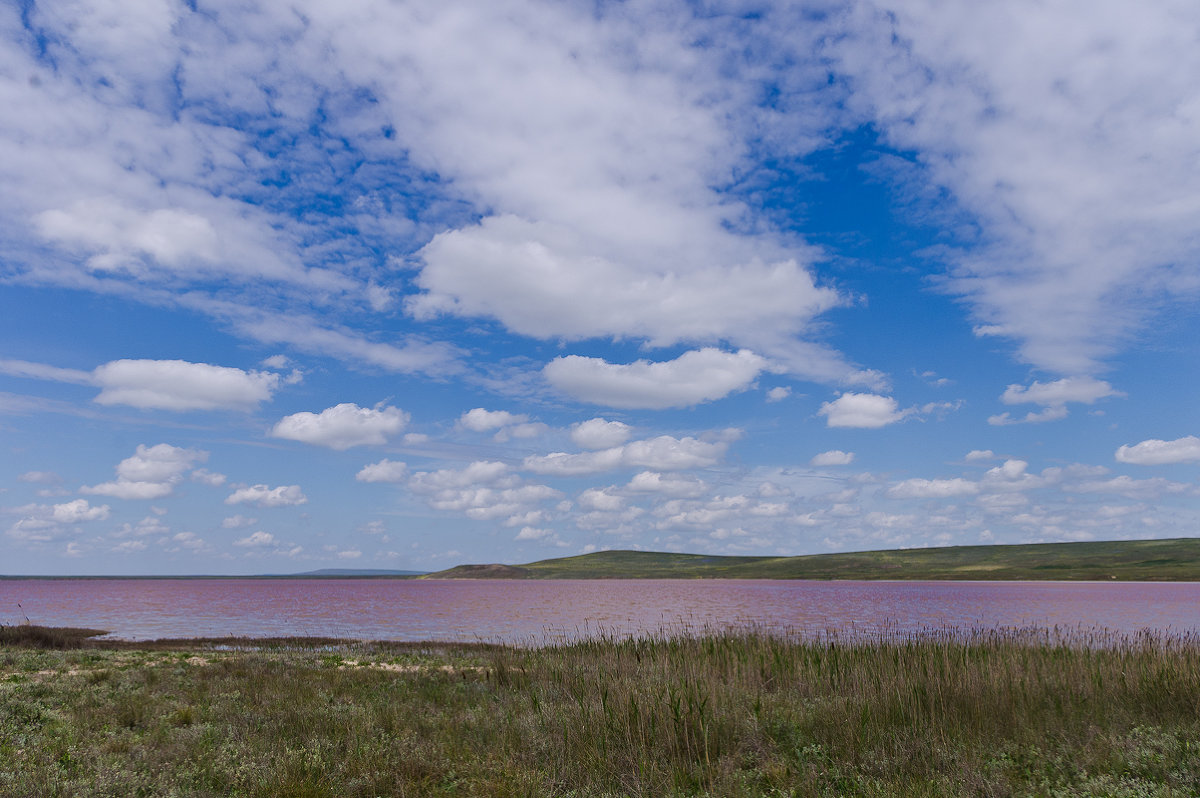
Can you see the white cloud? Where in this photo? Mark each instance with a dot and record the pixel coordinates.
(124, 489)
(834, 457)
(1158, 452)
(1133, 488)
(263, 496)
(549, 281)
(180, 385)
(600, 499)
(40, 477)
(481, 420)
(130, 547)
(189, 540)
(151, 473)
(147, 526)
(778, 393)
(40, 371)
(932, 488)
(698, 376)
(861, 410)
(522, 431)
(256, 540)
(206, 477)
(277, 362)
(663, 453)
(383, 471)
(488, 504)
(533, 533)
(318, 337)
(980, 455)
(480, 472)
(159, 463)
(599, 433)
(44, 523)
(237, 522)
(1011, 107)
(1086, 390)
(1052, 413)
(667, 484)
(342, 426)
(76, 511)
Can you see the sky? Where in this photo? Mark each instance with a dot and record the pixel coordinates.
(293, 284)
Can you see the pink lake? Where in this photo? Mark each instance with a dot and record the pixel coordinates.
(533, 612)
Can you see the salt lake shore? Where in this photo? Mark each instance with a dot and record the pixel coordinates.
(740, 713)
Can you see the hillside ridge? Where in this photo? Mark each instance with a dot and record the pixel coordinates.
(1176, 559)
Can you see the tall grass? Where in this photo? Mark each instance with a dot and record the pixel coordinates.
(735, 713)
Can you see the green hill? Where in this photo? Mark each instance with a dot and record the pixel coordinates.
(1133, 560)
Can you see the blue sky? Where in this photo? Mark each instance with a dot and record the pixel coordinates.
(375, 284)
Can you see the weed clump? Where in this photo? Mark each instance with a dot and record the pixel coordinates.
(52, 637)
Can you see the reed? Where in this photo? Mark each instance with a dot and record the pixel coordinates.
(728, 713)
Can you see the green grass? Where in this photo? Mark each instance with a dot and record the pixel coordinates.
(1136, 560)
(733, 714)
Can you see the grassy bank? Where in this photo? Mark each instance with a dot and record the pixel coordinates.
(1175, 560)
(728, 715)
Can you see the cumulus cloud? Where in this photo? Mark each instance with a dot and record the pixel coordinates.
(675, 485)
(164, 384)
(180, 385)
(692, 378)
(932, 488)
(76, 511)
(151, 473)
(533, 533)
(601, 499)
(263, 496)
(861, 410)
(189, 540)
(491, 503)
(483, 491)
(663, 453)
(1086, 390)
(147, 526)
(778, 393)
(480, 472)
(480, 420)
(342, 426)
(599, 433)
(834, 457)
(42, 523)
(383, 471)
(557, 281)
(206, 477)
(1133, 488)
(1052, 413)
(980, 455)
(1159, 452)
(256, 540)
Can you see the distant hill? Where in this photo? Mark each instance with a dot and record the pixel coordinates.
(1175, 560)
(351, 572)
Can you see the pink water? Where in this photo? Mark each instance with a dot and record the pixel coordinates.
(543, 611)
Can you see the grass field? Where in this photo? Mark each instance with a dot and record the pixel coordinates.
(1176, 560)
(736, 714)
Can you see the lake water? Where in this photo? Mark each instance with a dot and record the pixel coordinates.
(531, 612)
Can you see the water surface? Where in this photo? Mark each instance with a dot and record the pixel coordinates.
(542, 611)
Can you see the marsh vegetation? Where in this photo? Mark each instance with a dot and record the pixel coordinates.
(725, 714)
